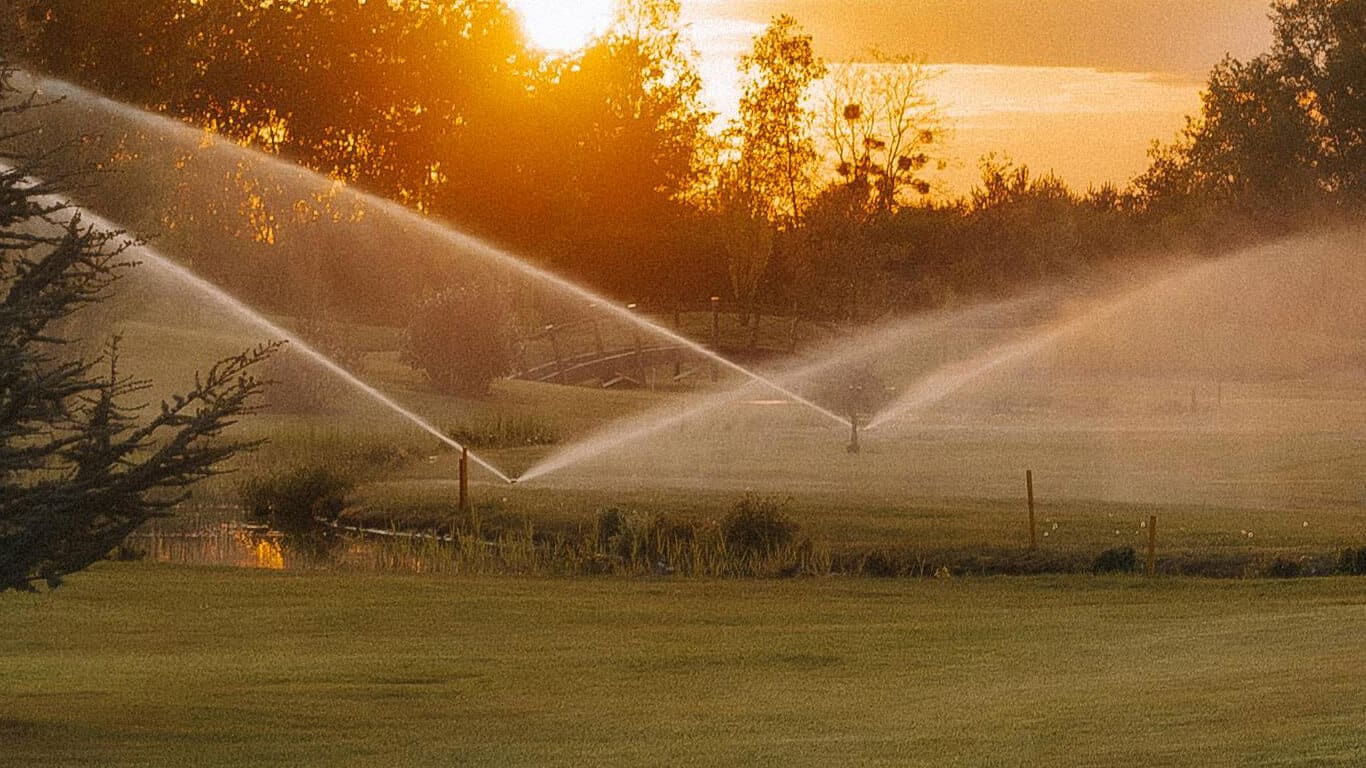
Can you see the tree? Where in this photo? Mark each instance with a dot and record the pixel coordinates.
(1320, 50)
(79, 468)
(745, 236)
(773, 133)
(463, 338)
(881, 124)
(1251, 148)
(618, 147)
(632, 107)
(1281, 132)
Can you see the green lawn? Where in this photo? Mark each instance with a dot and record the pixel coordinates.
(153, 665)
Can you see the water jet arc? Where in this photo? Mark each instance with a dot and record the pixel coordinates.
(244, 311)
(450, 234)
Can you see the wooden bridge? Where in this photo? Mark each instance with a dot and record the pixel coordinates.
(613, 354)
(619, 368)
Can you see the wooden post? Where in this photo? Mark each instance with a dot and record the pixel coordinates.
(555, 349)
(715, 333)
(640, 361)
(678, 327)
(465, 482)
(1152, 545)
(597, 339)
(1033, 528)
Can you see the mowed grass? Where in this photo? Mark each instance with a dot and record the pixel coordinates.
(136, 664)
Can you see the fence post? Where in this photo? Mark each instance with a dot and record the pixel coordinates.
(465, 482)
(597, 339)
(1033, 528)
(555, 349)
(715, 334)
(1152, 545)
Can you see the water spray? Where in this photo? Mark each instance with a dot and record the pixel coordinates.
(460, 240)
(949, 379)
(849, 352)
(241, 309)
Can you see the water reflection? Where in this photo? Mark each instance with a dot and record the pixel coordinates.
(228, 544)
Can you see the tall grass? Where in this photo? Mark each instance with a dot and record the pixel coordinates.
(504, 432)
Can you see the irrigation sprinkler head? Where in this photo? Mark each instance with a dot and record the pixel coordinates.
(512, 481)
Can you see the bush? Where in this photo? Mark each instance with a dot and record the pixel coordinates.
(1283, 568)
(883, 563)
(1117, 560)
(1353, 561)
(611, 527)
(304, 504)
(758, 525)
(462, 338)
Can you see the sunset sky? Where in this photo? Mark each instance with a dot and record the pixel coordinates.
(1077, 86)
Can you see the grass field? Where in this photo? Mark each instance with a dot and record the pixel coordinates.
(142, 665)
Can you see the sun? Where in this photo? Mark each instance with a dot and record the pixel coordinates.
(563, 25)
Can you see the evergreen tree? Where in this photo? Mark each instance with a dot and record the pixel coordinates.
(79, 469)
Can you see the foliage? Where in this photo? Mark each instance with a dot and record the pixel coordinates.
(1280, 132)
(744, 232)
(1352, 561)
(1284, 568)
(776, 154)
(80, 468)
(1320, 50)
(882, 125)
(446, 103)
(1117, 560)
(609, 526)
(303, 503)
(462, 338)
(758, 525)
(606, 149)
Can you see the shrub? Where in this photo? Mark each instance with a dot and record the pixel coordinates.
(882, 563)
(1353, 561)
(1283, 568)
(462, 338)
(1117, 560)
(304, 504)
(758, 525)
(611, 526)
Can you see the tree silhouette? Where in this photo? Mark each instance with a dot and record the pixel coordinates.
(463, 338)
(1321, 52)
(1281, 132)
(773, 132)
(882, 127)
(80, 469)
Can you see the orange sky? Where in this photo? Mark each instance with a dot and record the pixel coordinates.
(1080, 87)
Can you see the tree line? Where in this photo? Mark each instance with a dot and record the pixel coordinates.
(602, 163)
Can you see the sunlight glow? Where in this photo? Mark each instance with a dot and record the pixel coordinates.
(563, 25)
